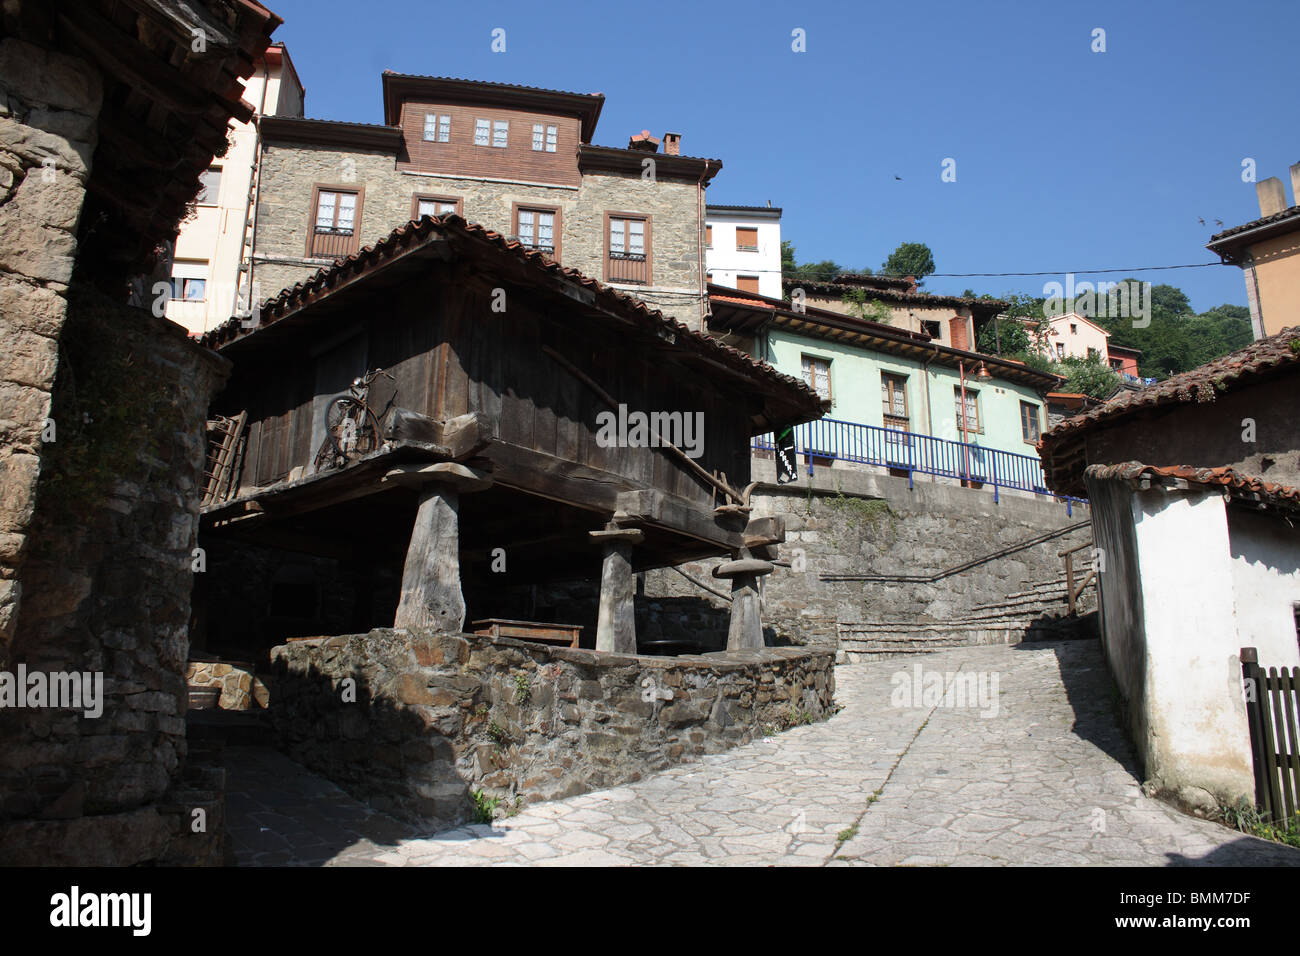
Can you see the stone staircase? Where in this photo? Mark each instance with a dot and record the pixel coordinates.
(1038, 612)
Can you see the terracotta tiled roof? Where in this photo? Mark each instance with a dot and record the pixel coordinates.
(1200, 384)
(403, 238)
(1256, 223)
(1234, 482)
(896, 295)
(486, 84)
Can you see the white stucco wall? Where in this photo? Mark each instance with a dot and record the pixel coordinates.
(1265, 563)
(725, 262)
(1195, 713)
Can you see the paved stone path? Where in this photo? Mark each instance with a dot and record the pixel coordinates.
(1047, 778)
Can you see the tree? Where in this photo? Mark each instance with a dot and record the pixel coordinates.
(788, 264)
(1004, 336)
(910, 259)
(1088, 376)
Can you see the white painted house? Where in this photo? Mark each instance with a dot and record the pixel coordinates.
(743, 248)
(1195, 491)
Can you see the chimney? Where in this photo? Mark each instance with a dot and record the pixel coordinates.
(1272, 196)
(673, 144)
(643, 141)
(1295, 184)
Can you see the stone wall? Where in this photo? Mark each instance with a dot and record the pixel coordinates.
(284, 215)
(108, 581)
(856, 522)
(49, 104)
(436, 718)
(240, 687)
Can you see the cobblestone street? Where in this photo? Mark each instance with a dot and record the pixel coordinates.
(1046, 778)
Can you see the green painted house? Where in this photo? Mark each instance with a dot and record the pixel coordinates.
(897, 395)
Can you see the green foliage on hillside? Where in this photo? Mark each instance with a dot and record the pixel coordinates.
(1175, 339)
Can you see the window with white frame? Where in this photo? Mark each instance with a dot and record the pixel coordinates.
(209, 186)
(190, 280)
(482, 132)
(437, 128)
(500, 133)
(544, 137)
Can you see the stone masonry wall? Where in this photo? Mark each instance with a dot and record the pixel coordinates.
(855, 522)
(108, 582)
(284, 216)
(436, 718)
(49, 104)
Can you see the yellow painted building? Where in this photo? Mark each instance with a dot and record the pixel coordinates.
(1268, 252)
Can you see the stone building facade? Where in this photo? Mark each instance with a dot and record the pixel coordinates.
(49, 105)
(390, 168)
(102, 409)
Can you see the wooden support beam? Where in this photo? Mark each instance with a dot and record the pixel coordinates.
(569, 483)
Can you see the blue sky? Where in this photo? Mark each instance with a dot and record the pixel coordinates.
(1066, 159)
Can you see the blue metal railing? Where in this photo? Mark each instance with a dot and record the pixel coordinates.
(910, 452)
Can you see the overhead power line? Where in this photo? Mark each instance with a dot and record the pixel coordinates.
(976, 275)
(1061, 272)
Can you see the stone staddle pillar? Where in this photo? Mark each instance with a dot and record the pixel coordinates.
(431, 592)
(616, 621)
(746, 630)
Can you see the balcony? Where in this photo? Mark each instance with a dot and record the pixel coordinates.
(628, 267)
(331, 242)
(830, 439)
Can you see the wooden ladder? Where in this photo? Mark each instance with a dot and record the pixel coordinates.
(223, 442)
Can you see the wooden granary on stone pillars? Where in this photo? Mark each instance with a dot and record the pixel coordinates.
(529, 425)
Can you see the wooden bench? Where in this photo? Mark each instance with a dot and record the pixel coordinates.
(565, 635)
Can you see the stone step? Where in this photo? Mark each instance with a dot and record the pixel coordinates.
(860, 642)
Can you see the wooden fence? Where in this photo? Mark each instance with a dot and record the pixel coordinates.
(1273, 715)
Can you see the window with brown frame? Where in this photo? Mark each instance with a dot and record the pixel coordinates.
(893, 399)
(538, 227)
(747, 284)
(817, 373)
(336, 222)
(746, 239)
(708, 237)
(627, 257)
(1030, 424)
(972, 424)
(425, 205)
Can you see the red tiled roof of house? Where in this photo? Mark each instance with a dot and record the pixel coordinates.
(1201, 384)
(1234, 482)
(1256, 223)
(345, 271)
